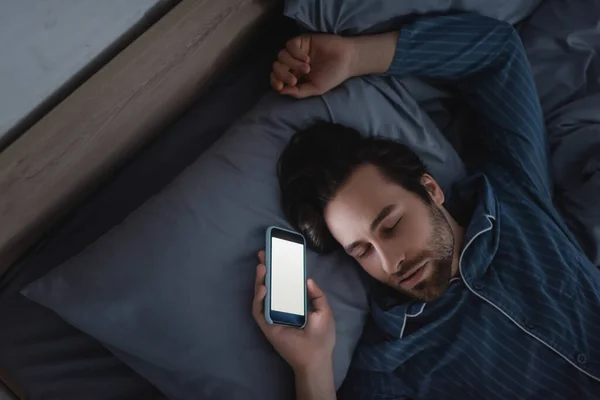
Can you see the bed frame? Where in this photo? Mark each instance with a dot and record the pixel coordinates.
(53, 165)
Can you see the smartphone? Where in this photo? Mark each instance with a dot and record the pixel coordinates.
(285, 258)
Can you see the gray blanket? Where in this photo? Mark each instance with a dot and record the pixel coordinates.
(562, 40)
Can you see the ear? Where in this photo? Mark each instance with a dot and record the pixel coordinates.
(435, 191)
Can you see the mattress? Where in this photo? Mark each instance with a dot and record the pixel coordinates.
(39, 351)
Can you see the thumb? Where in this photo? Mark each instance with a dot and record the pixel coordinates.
(316, 296)
(299, 47)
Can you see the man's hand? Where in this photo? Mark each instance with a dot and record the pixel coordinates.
(308, 349)
(313, 64)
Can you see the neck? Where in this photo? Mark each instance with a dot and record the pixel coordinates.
(459, 235)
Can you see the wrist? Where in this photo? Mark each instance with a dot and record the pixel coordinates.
(316, 382)
(318, 367)
(372, 54)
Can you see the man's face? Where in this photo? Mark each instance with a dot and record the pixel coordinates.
(394, 235)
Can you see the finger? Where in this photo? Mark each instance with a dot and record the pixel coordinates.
(261, 272)
(258, 302)
(261, 256)
(258, 306)
(316, 296)
(294, 64)
(282, 72)
(298, 48)
(301, 91)
(276, 83)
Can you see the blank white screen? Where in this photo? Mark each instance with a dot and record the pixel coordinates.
(287, 276)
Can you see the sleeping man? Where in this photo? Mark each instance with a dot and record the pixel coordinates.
(495, 300)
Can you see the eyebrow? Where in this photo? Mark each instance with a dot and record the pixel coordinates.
(376, 222)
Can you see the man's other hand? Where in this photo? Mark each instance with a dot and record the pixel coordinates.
(307, 349)
(311, 65)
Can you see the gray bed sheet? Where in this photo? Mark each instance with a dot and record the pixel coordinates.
(562, 39)
(46, 357)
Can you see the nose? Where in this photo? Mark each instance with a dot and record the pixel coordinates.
(392, 256)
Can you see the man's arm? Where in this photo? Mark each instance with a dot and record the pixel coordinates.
(315, 383)
(486, 61)
(308, 351)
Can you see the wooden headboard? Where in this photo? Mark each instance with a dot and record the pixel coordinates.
(54, 164)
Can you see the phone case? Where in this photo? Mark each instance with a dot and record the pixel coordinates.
(268, 276)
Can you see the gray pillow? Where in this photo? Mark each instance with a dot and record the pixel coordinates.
(169, 290)
(359, 16)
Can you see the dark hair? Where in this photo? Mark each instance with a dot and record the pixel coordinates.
(319, 160)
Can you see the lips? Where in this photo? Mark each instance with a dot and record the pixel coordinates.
(412, 277)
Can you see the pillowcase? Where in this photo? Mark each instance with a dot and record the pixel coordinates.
(349, 17)
(169, 290)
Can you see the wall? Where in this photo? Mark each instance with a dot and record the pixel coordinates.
(45, 45)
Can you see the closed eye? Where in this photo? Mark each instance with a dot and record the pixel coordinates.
(390, 230)
(367, 249)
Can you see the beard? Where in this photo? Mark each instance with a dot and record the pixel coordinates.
(439, 254)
